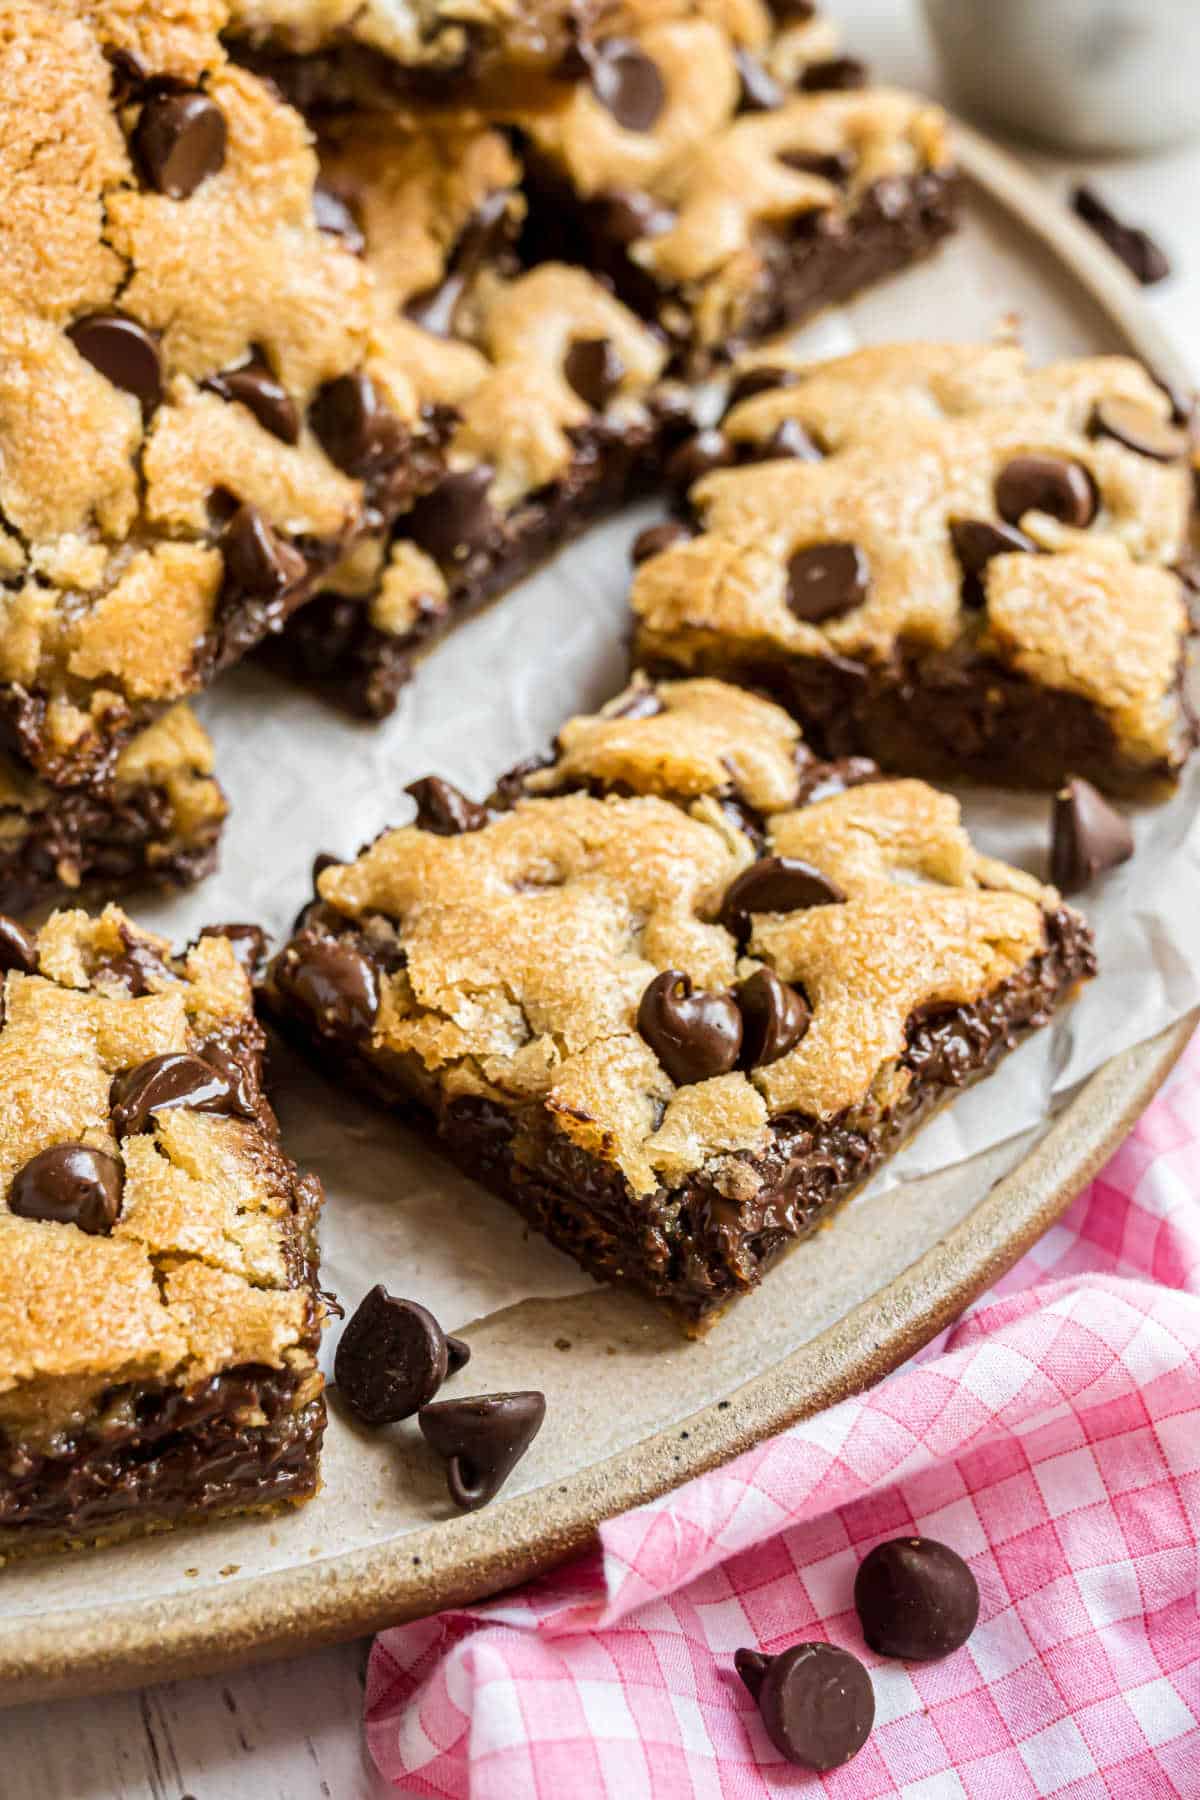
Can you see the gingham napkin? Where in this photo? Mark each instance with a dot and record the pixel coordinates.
(1052, 1438)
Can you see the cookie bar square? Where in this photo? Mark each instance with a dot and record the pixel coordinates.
(155, 821)
(190, 426)
(545, 388)
(948, 560)
(159, 1315)
(732, 175)
(664, 1006)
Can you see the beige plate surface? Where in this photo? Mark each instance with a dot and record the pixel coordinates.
(641, 1409)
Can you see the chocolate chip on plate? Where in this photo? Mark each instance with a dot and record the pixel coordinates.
(816, 1702)
(654, 539)
(123, 352)
(262, 394)
(332, 982)
(18, 947)
(259, 564)
(694, 1035)
(776, 884)
(391, 1360)
(826, 580)
(173, 1078)
(916, 1599)
(70, 1184)
(594, 369)
(180, 140)
(1046, 484)
(1146, 261)
(628, 83)
(760, 90)
(482, 1440)
(1140, 429)
(443, 808)
(1088, 836)
(774, 1018)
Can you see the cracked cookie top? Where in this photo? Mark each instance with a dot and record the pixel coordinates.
(931, 496)
(147, 1214)
(186, 427)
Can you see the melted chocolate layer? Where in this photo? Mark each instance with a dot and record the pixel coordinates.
(108, 841)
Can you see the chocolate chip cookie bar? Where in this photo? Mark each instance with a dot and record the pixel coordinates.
(945, 559)
(680, 990)
(154, 821)
(731, 175)
(159, 1318)
(544, 385)
(190, 428)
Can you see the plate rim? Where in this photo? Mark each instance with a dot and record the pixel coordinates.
(301, 1607)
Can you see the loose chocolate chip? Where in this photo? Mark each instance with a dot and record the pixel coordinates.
(335, 217)
(657, 538)
(354, 425)
(916, 1598)
(835, 74)
(776, 884)
(259, 564)
(826, 580)
(71, 1184)
(628, 83)
(835, 166)
(759, 380)
(816, 1702)
(774, 1018)
(456, 520)
(257, 389)
(180, 140)
(1046, 484)
(174, 1078)
(391, 1360)
(444, 808)
(789, 439)
(699, 456)
(123, 351)
(594, 369)
(627, 216)
(1139, 429)
(332, 982)
(760, 90)
(458, 1354)
(694, 1036)
(1146, 261)
(975, 542)
(18, 947)
(482, 1440)
(1088, 836)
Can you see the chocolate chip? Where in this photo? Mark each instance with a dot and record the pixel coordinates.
(916, 1598)
(482, 1440)
(335, 217)
(18, 947)
(332, 982)
(694, 1036)
(789, 439)
(458, 1354)
(173, 1078)
(259, 564)
(435, 308)
(654, 539)
(180, 140)
(792, 12)
(816, 1702)
(256, 388)
(129, 75)
(699, 456)
(1139, 429)
(835, 166)
(759, 380)
(774, 1018)
(1146, 261)
(836, 74)
(123, 351)
(140, 968)
(760, 90)
(354, 425)
(1046, 484)
(391, 1360)
(1088, 836)
(827, 580)
(242, 1075)
(627, 216)
(776, 884)
(248, 943)
(628, 83)
(444, 808)
(456, 520)
(594, 369)
(70, 1184)
(975, 542)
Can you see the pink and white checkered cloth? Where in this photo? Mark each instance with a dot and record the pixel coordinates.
(1052, 1437)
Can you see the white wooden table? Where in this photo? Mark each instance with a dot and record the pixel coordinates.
(292, 1730)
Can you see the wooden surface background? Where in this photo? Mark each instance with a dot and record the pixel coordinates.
(292, 1730)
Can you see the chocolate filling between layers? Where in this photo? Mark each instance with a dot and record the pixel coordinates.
(104, 840)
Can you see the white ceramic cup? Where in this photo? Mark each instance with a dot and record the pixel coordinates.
(1100, 75)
